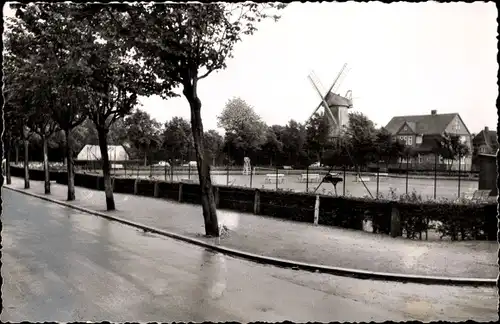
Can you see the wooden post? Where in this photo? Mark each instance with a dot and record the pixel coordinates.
(216, 196)
(316, 211)
(256, 203)
(180, 192)
(135, 186)
(156, 191)
(395, 222)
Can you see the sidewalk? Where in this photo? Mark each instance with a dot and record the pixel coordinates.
(298, 241)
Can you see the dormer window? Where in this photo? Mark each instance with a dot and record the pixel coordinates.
(406, 128)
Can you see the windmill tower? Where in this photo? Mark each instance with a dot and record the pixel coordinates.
(336, 106)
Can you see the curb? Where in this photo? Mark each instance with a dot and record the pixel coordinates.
(344, 272)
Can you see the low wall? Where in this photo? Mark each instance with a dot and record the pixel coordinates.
(458, 221)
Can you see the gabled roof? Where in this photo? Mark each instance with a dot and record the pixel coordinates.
(424, 124)
(488, 137)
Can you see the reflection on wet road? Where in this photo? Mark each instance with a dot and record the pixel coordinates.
(63, 265)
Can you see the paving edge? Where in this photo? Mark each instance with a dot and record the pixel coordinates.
(296, 265)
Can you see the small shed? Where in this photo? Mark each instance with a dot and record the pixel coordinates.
(93, 153)
(488, 173)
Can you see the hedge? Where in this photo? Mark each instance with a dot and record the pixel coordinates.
(459, 221)
(124, 185)
(145, 188)
(286, 205)
(169, 190)
(236, 198)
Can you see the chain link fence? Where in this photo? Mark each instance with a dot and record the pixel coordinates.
(374, 182)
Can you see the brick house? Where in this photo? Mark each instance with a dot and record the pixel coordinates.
(421, 133)
(484, 143)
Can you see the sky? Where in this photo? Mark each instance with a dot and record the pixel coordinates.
(403, 59)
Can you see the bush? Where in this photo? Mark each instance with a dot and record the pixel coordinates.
(291, 206)
(236, 198)
(86, 180)
(169, 190)
(191, 193)
(342, 212)
(145, 188)
(124, 185)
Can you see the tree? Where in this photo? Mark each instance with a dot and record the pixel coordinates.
(17, 100)
(245, 130)
(46, 37)
(177, 139)
(294, 139)
(387, 149)
(361, 136)
(182, 44)
(273, 147)
(143, 132)
(318, 141)
(450, 147)
(214, 143)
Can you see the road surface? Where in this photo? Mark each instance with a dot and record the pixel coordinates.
(62, 265)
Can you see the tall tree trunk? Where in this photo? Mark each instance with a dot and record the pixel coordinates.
(70, 166)
(106, 169)
(26, 160)
(207, 195)
(46, 165)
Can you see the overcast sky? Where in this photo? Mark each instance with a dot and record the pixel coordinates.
(404, 59)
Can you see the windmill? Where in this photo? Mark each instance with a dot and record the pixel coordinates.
(336, 112)
(335, 106)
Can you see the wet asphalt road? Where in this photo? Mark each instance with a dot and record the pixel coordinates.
(62, 265)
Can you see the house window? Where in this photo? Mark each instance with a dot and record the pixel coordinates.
(482, 149)
(406, 128)
(420, 159)
(410, 140)
(401, 138)
(418, 140)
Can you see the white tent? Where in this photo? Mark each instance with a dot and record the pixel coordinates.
(93, 153)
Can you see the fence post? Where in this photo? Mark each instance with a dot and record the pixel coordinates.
(378, 178)
(138, 166)
(459, 166)
(316, 210)
(343, 182)
(171, 172)
(276, 178)
(395, 222)
(180, 192)
(227, 174)
(135, 186)
(156, 191)
(216, 196)
(307, 179)
(407, 170)
(165, 172)
(435, 174)
(150, 170)
(256, 202)
(251, 175)
(125, 169)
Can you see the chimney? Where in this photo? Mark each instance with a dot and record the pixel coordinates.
(433, 112)
(486, 129)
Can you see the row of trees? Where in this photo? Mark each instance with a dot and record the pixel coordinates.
(65, 63)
